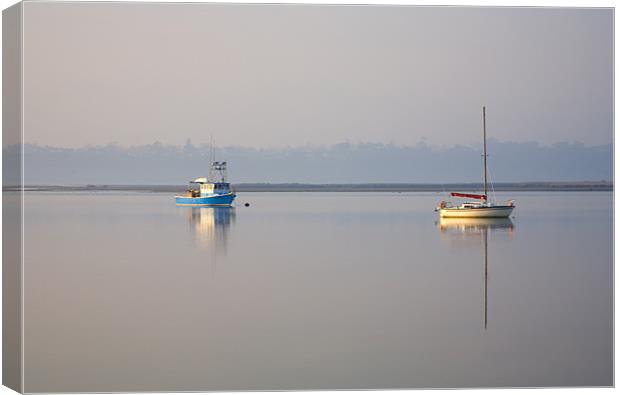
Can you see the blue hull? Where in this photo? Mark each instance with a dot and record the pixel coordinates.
(217, 200)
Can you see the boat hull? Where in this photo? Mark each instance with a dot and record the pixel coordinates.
(476, 212)
(216, 200)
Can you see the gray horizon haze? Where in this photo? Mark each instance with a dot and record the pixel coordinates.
(291, 75)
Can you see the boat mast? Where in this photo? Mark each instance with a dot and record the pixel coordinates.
(484, 137)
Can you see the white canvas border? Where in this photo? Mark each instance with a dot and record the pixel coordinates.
(487, 3)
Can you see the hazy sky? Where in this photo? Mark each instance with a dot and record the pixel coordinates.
(278, 75)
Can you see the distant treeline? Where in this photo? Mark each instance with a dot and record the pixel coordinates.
(343, 164)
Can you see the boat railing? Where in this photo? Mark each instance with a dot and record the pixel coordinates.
(445, 204)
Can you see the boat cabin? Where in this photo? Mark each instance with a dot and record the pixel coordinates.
(472, 204)
(214, 188)
(200, 187)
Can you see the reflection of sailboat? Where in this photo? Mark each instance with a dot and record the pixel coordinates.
(210, 225)
(478, 228)
(474, 225)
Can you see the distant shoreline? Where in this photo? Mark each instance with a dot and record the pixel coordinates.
(370, 187)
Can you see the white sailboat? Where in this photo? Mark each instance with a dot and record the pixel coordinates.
(480, 207)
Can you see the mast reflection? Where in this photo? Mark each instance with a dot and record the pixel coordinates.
(210, 226)
(468, 230)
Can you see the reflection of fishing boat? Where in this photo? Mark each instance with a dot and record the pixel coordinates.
(478, 227)
(481, 207)
(210, 225)
(212, 191)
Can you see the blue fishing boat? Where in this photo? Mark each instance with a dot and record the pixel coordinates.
(211, 191)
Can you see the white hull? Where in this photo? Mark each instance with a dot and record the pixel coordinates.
(476, 212)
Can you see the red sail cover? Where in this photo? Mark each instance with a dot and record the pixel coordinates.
(469, 195)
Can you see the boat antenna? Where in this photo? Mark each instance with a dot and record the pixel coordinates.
(211, 146)
(211, 158)
(484, 137)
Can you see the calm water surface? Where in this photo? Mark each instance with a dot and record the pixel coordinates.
(126, 292)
